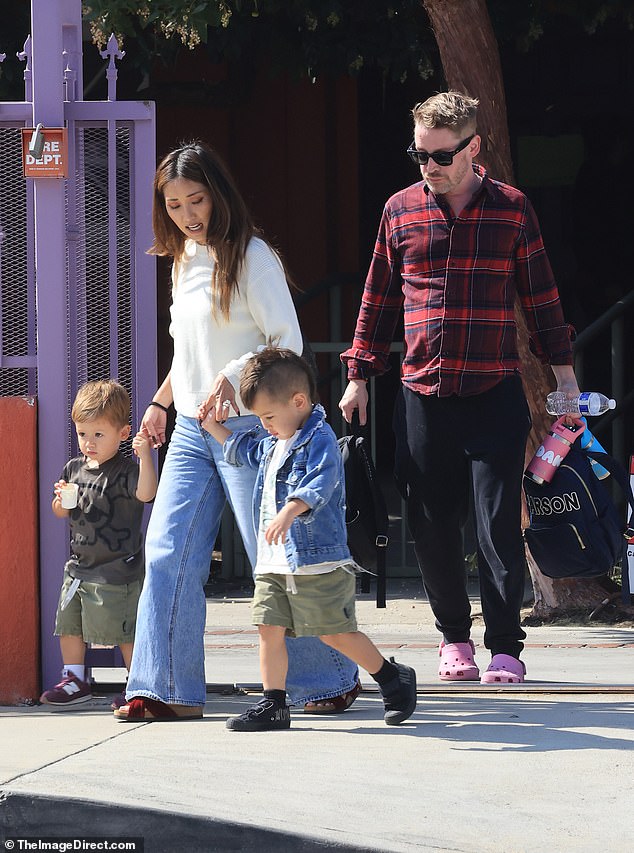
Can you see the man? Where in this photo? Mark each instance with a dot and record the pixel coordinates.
(452, 251)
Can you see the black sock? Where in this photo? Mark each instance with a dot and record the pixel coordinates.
(277, 696)
(386, 674)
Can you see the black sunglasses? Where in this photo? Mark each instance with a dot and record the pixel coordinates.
(443, 158)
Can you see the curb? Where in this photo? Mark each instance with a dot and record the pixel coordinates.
(34, 817)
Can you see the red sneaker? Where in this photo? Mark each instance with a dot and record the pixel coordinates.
(70, 691)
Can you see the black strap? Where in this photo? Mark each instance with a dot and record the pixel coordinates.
(356, 429)
(381, 554)
(620, 475)
(380, 512)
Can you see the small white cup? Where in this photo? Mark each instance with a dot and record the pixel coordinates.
(68, 494)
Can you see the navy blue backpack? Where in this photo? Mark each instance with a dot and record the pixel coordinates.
(575, 529)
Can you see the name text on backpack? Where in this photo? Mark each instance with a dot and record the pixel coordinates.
(556, 504)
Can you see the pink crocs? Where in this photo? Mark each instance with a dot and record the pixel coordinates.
(457, 663)
(504, 669)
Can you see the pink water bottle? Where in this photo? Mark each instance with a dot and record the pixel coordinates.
(553, 449)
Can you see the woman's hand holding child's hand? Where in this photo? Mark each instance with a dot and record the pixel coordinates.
(222, 400)
(209, 422)
(153, 426)
(207, 417)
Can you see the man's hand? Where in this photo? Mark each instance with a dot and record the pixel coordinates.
(355, 397)
(566, 382)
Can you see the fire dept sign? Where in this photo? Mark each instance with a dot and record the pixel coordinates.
(53, 161)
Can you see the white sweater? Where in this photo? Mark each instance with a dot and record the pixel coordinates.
(204, 345)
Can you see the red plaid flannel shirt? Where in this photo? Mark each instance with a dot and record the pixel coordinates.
(455, 279)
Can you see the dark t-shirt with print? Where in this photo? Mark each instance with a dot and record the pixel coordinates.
(105, 526)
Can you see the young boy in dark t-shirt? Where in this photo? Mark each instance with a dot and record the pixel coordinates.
(102, 578)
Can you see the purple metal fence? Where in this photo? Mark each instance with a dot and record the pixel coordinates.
(78, 289)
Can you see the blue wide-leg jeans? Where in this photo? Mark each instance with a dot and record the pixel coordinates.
(169, 659)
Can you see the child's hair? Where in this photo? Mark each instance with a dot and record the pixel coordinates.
(103, 398)
(278, 372)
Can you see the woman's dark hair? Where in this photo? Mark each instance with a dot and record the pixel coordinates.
(230, 226)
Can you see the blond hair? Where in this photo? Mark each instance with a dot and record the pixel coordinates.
(453, 110)
(103, 398)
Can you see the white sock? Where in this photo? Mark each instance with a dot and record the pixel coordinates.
(74, 669)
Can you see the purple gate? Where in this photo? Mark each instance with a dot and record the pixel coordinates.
(78, 289)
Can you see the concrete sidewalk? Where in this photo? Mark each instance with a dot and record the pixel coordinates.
(545, 766)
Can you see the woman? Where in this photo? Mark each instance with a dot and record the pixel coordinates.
(229, 297)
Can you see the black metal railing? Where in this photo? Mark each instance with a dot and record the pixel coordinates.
(613, 319)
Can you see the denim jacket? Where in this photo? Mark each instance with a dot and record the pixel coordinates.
(311, 471)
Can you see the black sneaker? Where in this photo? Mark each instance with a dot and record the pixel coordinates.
(266, 716)
(399, 696)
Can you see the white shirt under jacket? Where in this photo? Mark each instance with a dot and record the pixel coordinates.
(205, 344)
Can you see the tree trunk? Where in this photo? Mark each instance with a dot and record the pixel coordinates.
(471, 64)
(555, 598)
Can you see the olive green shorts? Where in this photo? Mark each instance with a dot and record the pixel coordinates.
(101, 613)
(323, 604)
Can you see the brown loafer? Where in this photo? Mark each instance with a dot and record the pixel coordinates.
(334, 705)
(142, 709)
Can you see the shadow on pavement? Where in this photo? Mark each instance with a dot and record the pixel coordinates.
(24, 816)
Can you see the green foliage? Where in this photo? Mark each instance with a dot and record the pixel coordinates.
(309, 37)
(316, 37)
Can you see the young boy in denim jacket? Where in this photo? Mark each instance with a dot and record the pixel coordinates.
(304, 575)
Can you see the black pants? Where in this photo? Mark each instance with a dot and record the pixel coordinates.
(446, 446)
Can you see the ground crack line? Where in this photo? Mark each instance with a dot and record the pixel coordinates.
(28, 773)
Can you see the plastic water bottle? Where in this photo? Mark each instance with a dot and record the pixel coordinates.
(553, 450)
(587, 403)
(589, 442)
